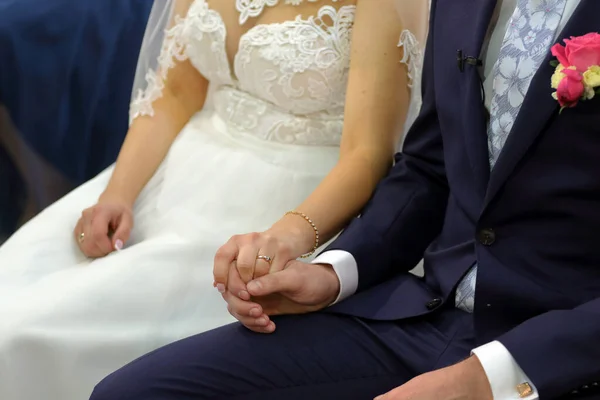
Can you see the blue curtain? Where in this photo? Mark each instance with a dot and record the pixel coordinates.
(66, 72)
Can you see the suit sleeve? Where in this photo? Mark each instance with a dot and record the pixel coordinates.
(559, 350)
(407, 209)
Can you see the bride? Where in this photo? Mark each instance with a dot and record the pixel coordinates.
(292, 100)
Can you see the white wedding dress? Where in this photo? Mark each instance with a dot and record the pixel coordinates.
(268, 135)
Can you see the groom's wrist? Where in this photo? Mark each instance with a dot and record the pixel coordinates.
(333, 283)
(345, 268)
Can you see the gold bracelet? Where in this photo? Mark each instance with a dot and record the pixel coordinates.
(312, 224)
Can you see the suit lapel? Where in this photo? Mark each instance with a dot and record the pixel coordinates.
(538, 107)
(474, 113)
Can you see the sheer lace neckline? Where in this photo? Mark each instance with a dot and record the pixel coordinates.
(253, 8)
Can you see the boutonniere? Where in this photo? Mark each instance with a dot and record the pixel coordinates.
(577, 74)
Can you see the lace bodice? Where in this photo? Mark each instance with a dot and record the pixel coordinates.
(287, 80)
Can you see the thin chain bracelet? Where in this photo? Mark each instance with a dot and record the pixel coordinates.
(312, 224)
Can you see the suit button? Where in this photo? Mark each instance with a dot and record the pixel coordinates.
(433, 304)
(486, 237)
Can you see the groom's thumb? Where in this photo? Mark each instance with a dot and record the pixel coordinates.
(282, 281)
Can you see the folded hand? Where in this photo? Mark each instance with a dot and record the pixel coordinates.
(104, 227)
(257, 254)
(298, 289)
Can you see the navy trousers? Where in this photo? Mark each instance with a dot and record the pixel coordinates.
(315, 356)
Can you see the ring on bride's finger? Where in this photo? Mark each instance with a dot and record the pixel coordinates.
(81, 237)
(266, 258)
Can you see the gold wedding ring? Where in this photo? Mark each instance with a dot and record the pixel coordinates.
(266, 258)
(81, 237)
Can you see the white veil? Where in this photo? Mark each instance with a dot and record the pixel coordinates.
(164, 15)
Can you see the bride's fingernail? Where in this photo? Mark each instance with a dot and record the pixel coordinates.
(221, 288)
(118, 245)
(261, 321)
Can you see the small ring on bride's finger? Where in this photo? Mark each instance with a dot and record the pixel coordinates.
(266, 258)
(81, 237)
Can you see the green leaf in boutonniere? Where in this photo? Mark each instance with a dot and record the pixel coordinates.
(554, 63)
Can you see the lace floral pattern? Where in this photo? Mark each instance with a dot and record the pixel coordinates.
(304, 62)
(245, 114)
(413, 58)
(253, 8)
(180, 45)
(290, 78)
(173, 49)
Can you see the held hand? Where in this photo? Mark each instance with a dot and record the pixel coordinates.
(103, 228)
(257, 254)
(300, 288)
(463, 381)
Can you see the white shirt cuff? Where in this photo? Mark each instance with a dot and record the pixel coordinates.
(503, 372)
(345, 267)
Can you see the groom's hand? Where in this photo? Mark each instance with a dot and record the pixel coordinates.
(463, 381)
(300, 288)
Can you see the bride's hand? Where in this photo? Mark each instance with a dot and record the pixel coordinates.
(104, 227)
(257, 254)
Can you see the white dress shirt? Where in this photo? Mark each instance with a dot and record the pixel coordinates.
(501, 368)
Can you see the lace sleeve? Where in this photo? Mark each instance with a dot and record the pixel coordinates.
(413, 58)
(414, 15)
(163, 46)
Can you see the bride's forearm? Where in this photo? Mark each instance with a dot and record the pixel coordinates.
(146, 145)
(339, 197)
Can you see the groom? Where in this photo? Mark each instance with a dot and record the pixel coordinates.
(504, 204)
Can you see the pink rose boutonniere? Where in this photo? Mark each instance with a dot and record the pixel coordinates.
(577, 74)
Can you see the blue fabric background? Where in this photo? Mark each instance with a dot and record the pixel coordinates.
(66, 72)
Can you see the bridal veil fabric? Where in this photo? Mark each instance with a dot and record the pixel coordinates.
(267, 136)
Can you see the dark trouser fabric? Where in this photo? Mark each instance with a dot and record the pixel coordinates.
(316, 356)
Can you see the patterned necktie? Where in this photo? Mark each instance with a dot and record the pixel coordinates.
(530, 34)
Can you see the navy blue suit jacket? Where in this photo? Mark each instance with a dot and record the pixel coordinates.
(531, 224)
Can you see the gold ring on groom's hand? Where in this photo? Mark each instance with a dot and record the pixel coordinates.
(81, 237)
(266, 258)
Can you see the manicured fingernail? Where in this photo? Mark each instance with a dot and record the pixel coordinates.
(254, 286)
(221, 288)
(244, 295)
(270, 327)
(255, 312)
(118, 245)
(261, 321)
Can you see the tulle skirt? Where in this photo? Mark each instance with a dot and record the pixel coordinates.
(67, 321)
